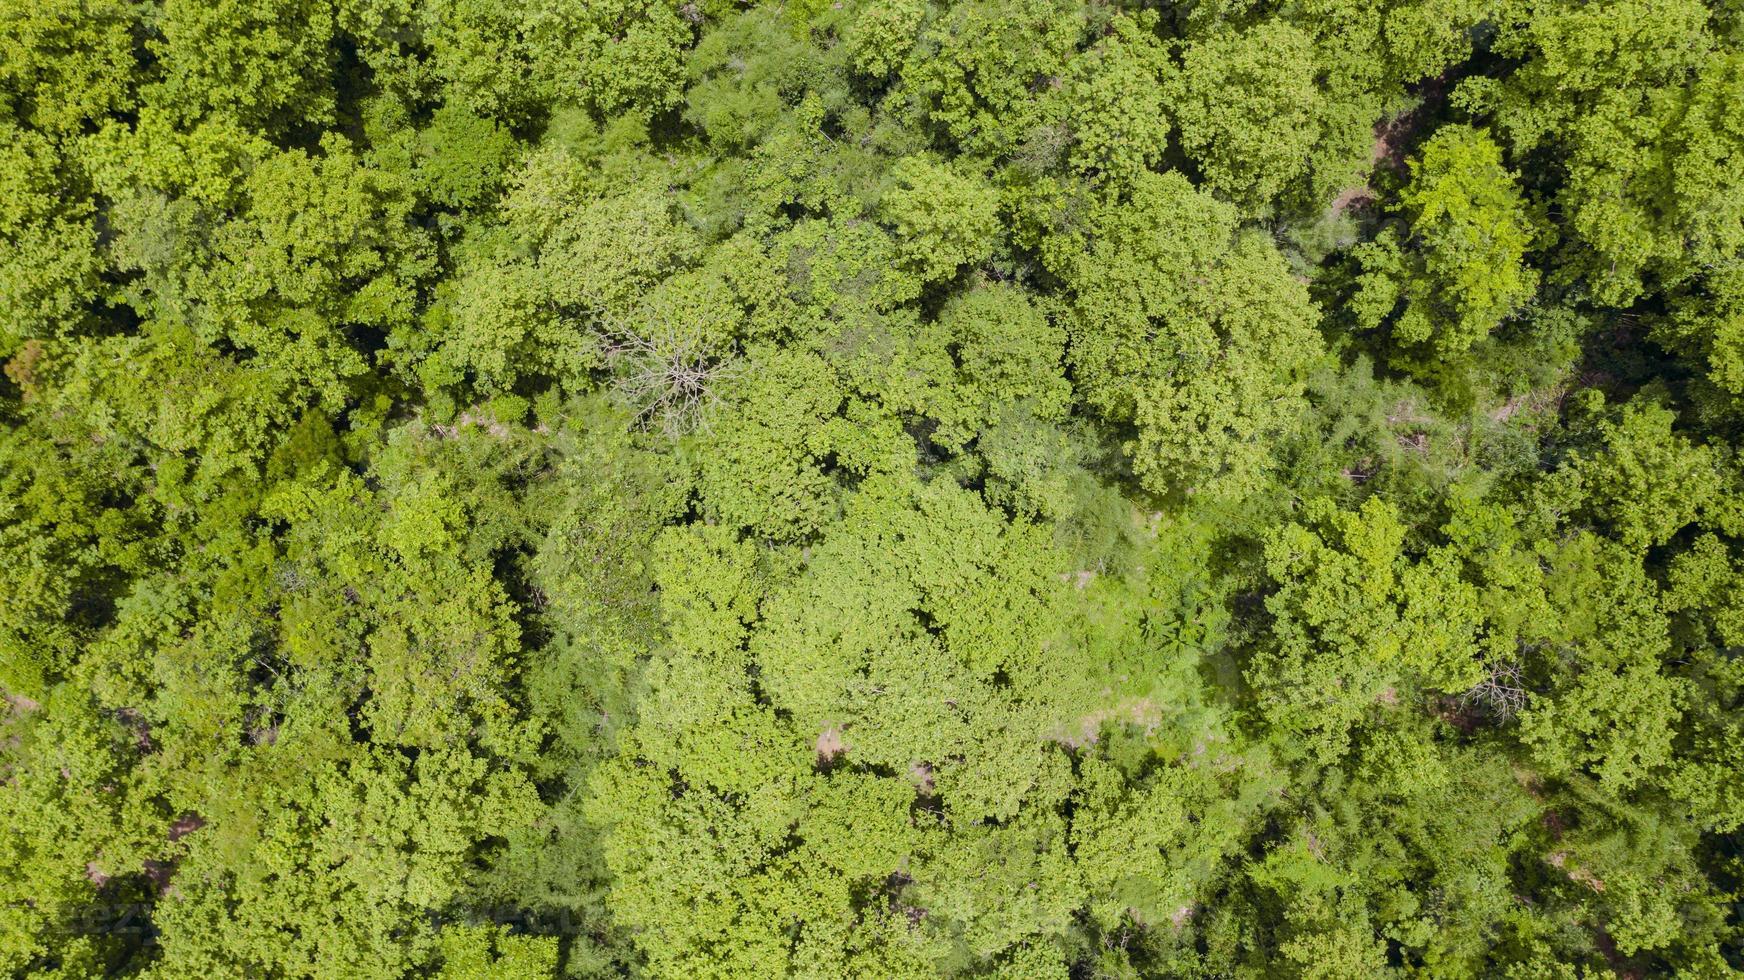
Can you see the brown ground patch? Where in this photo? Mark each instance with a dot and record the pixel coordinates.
(1578, 875)
(1618, 963)
(141, 729)
(1536, 402)
(1363, 195)
(1456, 712)
(185, 825)
(1353, 197)
(21, 704)
(1554, 824)
(467, 420)
(923, 778)
(829, 745)
(1392, 136)
(1088, 727)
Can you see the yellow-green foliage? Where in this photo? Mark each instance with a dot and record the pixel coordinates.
(877, 488)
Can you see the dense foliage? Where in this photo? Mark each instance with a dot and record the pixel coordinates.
(872, 488)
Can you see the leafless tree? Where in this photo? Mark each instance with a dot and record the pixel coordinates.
(1501, 693)
(669, 375)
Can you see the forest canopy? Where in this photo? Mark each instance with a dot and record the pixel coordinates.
(872, 488)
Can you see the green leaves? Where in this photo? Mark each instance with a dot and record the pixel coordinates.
(384, 841)
(1631, 85)
(1649, 482)
(1216, 334)
(619, 56)
(978, 69)
(1463, 268)
(1248, 110)
(1118, 96)
(923, 654)
(71, 65)
(943, 220)
(889, 488)
(50, 271)
(267, 65)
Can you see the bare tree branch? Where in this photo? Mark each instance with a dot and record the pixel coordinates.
(669, 375)
(1501, 693)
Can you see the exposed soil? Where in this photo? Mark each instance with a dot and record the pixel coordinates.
(467, 420)
(186, 825)
(923, 778)
(829, 745)
(1082, 578)
(21, 704)
(1138, 711)
(1392, 138)
(1534, 402)
(136, 723)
